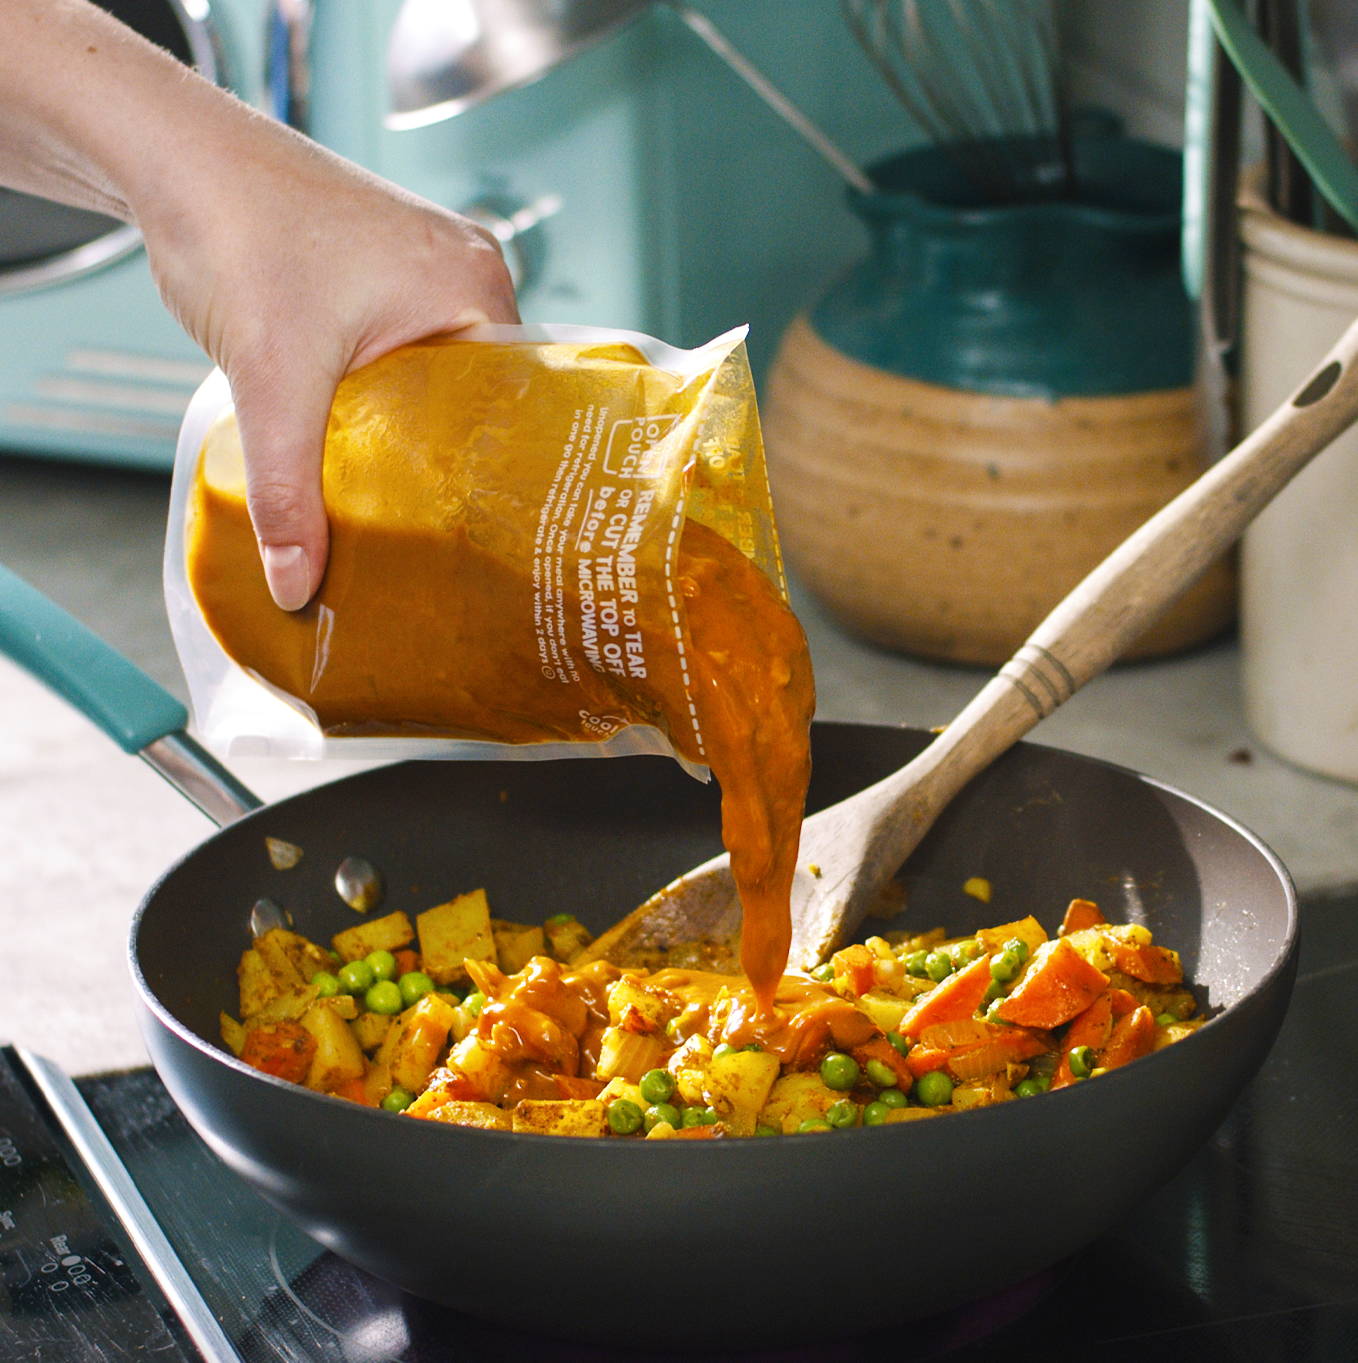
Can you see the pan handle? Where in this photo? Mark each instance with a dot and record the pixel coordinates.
(139, 715)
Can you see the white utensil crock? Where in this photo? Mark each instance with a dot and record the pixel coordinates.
(1299, 562)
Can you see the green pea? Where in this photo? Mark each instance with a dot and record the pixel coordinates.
(1082, 1062)
(893, 1098)
(938, 966)
(933, 1089)
(961, 953)
(880, 1073)
(624, 1117)
(917, 963)
(357, 977)
(814, 1124)
(398, 1100)
(1019, 947)
(762, 1130)
(1044, 1081)
(327, 986)
(875, 1113)
(558, 920)
(899, 1042)
(994, 990)
(661, 1112)
(724, 1049)
(824, 973)
(414, 985)
(335, 956)
(1028, 1088)
(383, 997)
(1162, 1019)
(693, 1116)
(753, 1046)
(474, 1003)
(382, 964)
(657, 1086)
(839, 1071)
(1004, 966)
(842, 1114)
(992, 1013)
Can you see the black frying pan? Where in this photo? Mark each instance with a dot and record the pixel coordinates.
(695, 1243)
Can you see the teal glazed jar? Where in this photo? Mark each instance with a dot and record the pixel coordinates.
(982, 409)
(1074, 297)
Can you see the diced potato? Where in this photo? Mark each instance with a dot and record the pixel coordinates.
(424, 1033)
(338, 1058)
(257, 984)
(273, 950)
(620, 1088)
(885, 1010)
(738, 1085)
(661, 1131)
(639, 1009)
(383, 934)
(628, 1054)
(483, 1067)
(1176, 1031)
(484, 1115)
(286, 1007)
(454, 932)
(305, 956)
(567, 937)
(376, 1084)
(516, 944)
(796, 1098)
(232, 1033)
(689, 1066)
(371, 1029)
(346, 1005)
(1090, 944)
(562, 1117)
(981, 1093)
(1027, 930)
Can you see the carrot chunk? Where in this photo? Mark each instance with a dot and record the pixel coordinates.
(854, 965)
(1058, 985)
(406, 961)
(1091, 1028)
(355, 1090)
(1151, 964)
(1133, 1037)
(1123, 1002)
(959, 996)
(283, 1049)
(1082, 913)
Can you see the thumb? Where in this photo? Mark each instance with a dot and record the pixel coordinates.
(282, 416)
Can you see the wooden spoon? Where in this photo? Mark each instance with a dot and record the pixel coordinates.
(850, 851)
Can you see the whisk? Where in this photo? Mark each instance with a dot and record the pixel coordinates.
(983, 79)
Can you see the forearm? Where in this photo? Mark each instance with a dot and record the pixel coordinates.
(80, 96)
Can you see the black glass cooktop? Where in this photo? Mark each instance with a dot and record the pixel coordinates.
(1250, 1254)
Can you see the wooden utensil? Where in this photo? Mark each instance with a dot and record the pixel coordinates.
(850, 851)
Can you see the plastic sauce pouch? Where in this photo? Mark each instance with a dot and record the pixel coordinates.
(507, 513)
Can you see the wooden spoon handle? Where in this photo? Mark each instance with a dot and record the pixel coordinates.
(1118, 601)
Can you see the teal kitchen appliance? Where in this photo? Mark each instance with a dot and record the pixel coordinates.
(639, 185)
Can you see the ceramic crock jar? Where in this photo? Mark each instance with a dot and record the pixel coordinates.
(976, 414)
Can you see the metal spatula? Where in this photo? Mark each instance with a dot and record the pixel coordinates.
(850, 851)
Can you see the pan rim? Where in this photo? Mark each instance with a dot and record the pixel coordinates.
(1284, 960)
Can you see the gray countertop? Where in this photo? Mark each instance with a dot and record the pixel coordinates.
(85, 830)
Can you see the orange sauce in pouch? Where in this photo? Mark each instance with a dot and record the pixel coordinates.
(533, 543)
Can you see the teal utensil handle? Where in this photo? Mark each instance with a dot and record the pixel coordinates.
(77, 664)
(1291, 109)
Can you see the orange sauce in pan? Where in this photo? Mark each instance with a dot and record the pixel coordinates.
(425, 639)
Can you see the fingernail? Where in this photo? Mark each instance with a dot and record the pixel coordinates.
(288, 574)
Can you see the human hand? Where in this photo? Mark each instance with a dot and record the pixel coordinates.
(287, 264)
(291, 267)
